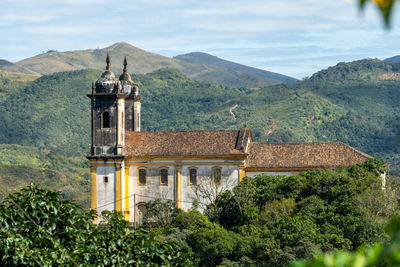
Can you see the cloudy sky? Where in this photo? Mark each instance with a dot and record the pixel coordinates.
(292, 37)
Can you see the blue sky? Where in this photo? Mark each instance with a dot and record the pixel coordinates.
(292, 37)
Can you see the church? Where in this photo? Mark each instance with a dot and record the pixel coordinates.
(129, 167)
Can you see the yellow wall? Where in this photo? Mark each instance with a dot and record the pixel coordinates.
(178, 189)
(126, 192)
(93, 188)
(242, 174)
(118, 187)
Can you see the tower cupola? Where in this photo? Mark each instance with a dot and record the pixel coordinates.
(128, 86)
(107, 83)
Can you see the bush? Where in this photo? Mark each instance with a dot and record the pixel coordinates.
(37, 228)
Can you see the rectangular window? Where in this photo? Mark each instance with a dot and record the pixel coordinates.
(216, 176)
(192, 176)
(105, 120)
(142, 177)
(164, 176)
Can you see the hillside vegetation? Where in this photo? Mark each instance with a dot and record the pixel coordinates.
(11, 82)
(351, 102)
(21, 165)
(273, 220)
(141, 61)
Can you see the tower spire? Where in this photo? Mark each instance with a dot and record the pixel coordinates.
(108, 61)
(125, 65)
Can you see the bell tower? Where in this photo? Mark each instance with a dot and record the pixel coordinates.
(132, 101)
(107, 114)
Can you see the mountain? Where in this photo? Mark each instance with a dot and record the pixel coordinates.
(11, 67)
(141, 61)
(204, 58)
(355, 102)
(395, 59)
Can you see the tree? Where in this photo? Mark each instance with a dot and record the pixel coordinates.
(158, 213)
(207, 190)
(386, 254)
(37, 228)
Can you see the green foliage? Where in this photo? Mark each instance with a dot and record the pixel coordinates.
(274, 220)
(20, 165)
(159, 213)
(387, 254)
(37, 228)
(213, 244)
(11, 82)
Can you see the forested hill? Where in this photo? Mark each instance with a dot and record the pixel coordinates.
(141, 61)
(356, 103)
(199, 57)
(395, 59)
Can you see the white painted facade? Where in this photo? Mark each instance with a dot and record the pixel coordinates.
(105, 189)
(153, 189)
(203, 192)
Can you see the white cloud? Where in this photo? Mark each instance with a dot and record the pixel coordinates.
(294, 37)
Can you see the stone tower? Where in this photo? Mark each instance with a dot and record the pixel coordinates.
(115, 107)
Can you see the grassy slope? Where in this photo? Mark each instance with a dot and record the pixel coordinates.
(20, 165)
(140, 62)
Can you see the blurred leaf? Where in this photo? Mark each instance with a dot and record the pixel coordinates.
(385, 7)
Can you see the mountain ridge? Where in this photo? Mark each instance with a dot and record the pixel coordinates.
(201, 57)
(394, 59)
(140, 61)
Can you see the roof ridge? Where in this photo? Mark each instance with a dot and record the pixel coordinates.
(297, 143)
(178, 131)
(356, 150)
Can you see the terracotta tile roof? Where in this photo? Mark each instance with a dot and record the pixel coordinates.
(183, 143)
(303, 155)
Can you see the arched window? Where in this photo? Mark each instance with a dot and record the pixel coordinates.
(216, 176)
(163, 176)
(192, 176)
(142, 177)
(105, 120)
